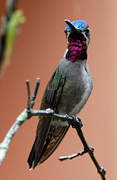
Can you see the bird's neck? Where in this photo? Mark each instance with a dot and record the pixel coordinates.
(77, 50)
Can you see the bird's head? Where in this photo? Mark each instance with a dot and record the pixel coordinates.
(77, 30)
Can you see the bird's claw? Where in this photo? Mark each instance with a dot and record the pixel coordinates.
(75, 121)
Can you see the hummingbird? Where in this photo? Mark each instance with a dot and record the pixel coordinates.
(66, 93)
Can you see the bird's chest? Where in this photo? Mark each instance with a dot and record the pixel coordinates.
(76, 91)
(81, 93)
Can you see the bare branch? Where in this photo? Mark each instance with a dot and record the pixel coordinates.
(61, 158)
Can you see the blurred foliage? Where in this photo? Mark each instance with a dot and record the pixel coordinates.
(9, 29)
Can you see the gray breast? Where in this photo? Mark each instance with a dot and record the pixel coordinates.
(77, 88)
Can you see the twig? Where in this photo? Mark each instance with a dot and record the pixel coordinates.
(61, 158)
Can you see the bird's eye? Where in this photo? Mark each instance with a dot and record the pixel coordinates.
(87, 31)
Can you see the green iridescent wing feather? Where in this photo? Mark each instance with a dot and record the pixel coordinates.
(48, 138)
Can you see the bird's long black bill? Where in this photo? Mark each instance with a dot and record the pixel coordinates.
(71, 26)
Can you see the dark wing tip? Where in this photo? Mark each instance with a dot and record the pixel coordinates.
(32, 161)
(33, 158)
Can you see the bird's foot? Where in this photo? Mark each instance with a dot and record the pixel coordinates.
(75, 121)
(89, 149)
